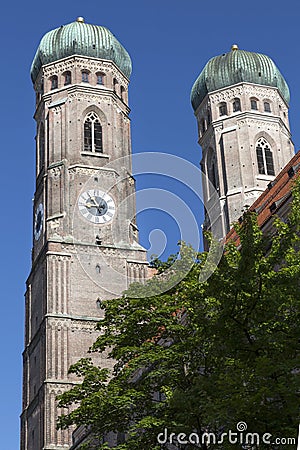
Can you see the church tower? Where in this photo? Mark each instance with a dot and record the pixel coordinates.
(85, 240)
(241, 103)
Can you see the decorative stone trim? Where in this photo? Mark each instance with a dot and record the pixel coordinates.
(95, 154)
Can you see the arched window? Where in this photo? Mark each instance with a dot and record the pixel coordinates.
(92, 133)
(236, 105)
(68, 78)
(100, 78)
(212, 173)
(253, 102)
(267, 107)
(264, 157)
(223, 109)
(203, 125)
(54, 82)
(85, 76)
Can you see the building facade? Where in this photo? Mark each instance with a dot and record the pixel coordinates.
(241, 103)
(85, 240)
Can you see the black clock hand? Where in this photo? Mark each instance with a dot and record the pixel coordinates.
(93, 198)
(100, 207)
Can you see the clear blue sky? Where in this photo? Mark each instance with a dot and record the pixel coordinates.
(169, 42)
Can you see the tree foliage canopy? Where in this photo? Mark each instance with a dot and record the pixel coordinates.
(202, 357)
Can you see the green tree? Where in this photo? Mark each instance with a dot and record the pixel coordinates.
(202, 356)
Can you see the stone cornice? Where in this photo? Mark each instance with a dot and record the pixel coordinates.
(256, 90)
(90, 92)
(83, 62)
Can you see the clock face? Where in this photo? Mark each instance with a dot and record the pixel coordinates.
(96, 206)
(38, 221)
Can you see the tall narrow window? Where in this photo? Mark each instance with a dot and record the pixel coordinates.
(212, 171)
(54, 82)
(88, 135)
(85, 76)
(100, 78)
(41, 144)
(92, 133)
(253, 104)
(208, 116)
(267, 107)
(264, 157)
(223, 109)
(236, 105)
(97, 136)
(115, 83)
(123, 91)
(67, 78)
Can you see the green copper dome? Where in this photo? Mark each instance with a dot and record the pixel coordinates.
(79, 38)
(235, 67)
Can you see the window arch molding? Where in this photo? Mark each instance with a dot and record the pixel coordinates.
(267, 137)
(98, 111)
(103, 121)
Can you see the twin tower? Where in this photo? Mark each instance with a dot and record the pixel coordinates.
(85, 239)
(241, 103)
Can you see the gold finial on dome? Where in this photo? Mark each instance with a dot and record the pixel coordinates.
(234, 47)
(80, 19)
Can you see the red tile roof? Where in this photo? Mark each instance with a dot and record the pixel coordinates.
(275, 196)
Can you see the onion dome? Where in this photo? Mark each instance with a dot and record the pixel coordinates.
(234, 67)
(80, 38)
